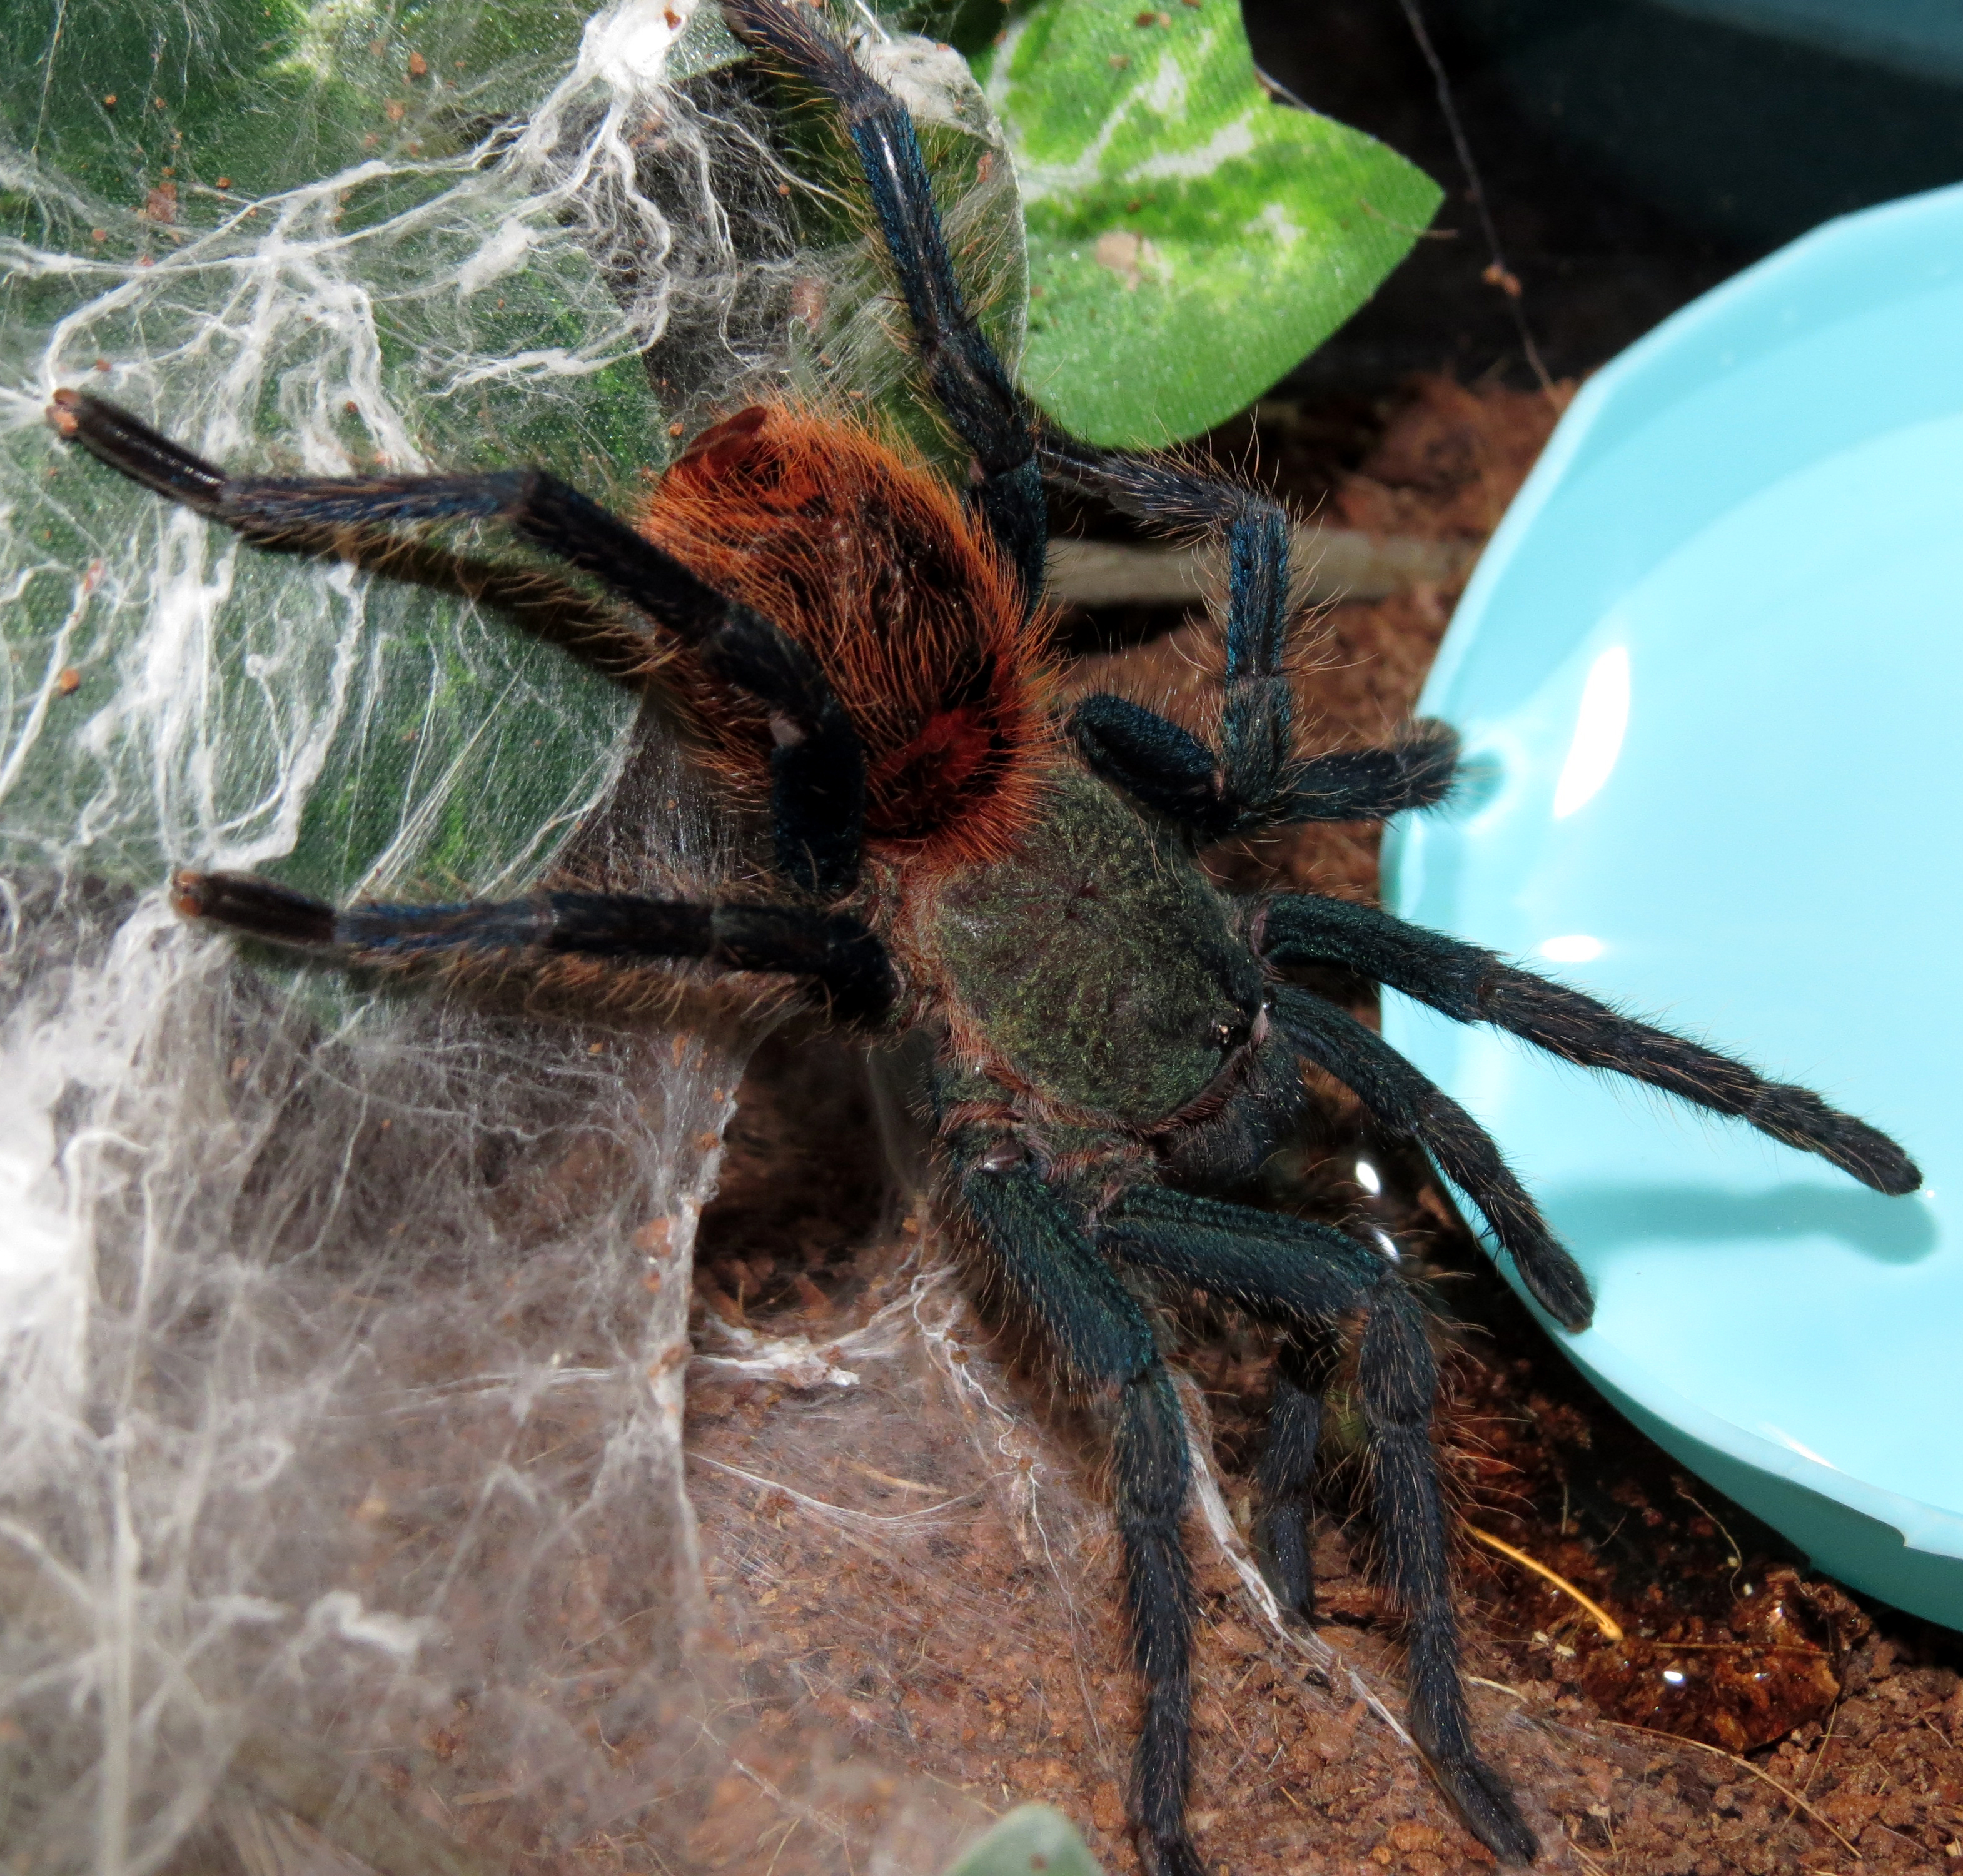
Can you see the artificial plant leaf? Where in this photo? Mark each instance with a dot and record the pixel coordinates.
(1190, 240)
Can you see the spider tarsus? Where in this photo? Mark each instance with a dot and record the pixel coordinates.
(1888, 1168)
(1555, 1281)
(255, 907)
(1419, 770)
(131, 448)
(1864, 1153)
(1429, 752)
(1802, 1119)
(1485, 1802)
(1284, 1473)
(1170, 1855)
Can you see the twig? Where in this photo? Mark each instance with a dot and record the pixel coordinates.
(1735, 1561)
(886, 1478)
(1718, 1751)
(1587, 1862)
(1819, 1756)
(1339, 564)
(845, 1515)
(1763, 1647)
(1498, 273)
(1610, 1627)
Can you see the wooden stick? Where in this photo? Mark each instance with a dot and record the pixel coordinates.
(1334, 564)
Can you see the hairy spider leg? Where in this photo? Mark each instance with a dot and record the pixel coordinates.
(987, 412)
(1257, 717)
(1291, 1272)
(1285, 1472)
(833, 950)
(1165, 766)
(817, 766)
(1106, 1341)
(1254, 780)
(1392, 1090)
(1473, 985)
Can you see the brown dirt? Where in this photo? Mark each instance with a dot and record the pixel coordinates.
(916, 1584)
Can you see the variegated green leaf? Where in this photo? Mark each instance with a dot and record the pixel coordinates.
(1190, 240)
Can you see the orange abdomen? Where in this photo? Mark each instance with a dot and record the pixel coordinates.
(870, 562)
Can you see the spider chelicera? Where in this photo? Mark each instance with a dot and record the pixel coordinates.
(1117, 1047)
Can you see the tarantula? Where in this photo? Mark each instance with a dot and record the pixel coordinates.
(1117, 1047)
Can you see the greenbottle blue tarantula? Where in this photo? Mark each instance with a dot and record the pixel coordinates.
(1118, 1048)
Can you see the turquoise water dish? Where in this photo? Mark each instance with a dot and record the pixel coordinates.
(1709, 673)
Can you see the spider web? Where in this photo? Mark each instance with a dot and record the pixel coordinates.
(345, 1328)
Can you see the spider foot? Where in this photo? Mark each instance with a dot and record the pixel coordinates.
(1281, 1548)
(1485, 1801)
(255, 907)
(1863, 1152)
(1555, 1281)
(111, 435)
(1170, 1854)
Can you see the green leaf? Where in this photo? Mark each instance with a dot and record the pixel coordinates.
(1031, 1838)
(1190, 240)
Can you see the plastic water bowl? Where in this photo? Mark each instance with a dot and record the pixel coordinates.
(1710, 676)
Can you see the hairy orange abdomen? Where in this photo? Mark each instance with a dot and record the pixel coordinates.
(870, 562)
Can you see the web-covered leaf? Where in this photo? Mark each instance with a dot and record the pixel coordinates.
(1032, 1836)
(280, 243)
